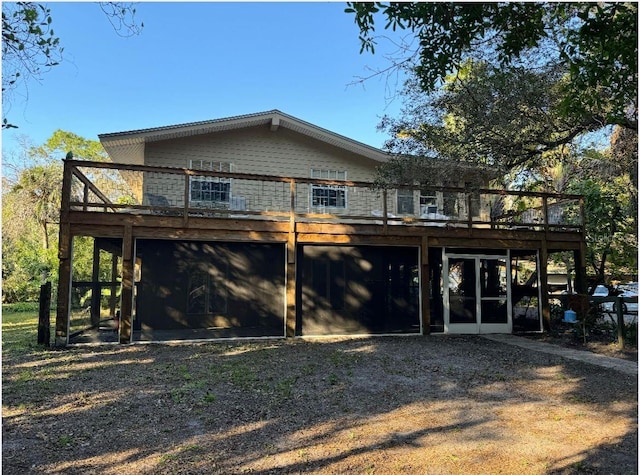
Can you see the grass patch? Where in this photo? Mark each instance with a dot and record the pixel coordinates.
(237, 373)
(19, 331)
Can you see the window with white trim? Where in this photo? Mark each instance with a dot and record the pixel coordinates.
(428, 204)
(209, 190)
(328, 196)
(404, 201)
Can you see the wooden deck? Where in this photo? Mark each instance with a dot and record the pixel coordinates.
(96, 202)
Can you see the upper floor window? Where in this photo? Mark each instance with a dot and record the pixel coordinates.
(405, 201)
(210, 190)
(428, 204)
(328, 196)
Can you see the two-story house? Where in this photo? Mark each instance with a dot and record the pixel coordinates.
(264, 225)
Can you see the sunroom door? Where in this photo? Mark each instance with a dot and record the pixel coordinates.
(461, 305)
(476, 299)
(493, 301)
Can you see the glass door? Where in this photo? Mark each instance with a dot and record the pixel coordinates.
(476, 294)
(461, 292)
(494, 311)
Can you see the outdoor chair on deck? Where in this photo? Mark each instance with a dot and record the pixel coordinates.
(158, 201)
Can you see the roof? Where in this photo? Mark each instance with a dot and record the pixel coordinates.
(128, 147)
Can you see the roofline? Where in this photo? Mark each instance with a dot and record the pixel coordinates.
(274, 117)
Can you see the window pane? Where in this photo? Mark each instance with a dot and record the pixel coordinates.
(405, 201)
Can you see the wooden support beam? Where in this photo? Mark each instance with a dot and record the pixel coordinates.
(88, 185)
(44, 315)
(113, 301)
(128, 275)
(96, 288)
(65, 250)
(65, 253)
(544, 287)
(580, 265)
(290, 315)
(291, 280)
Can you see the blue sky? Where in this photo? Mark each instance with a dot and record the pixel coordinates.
(202, 61)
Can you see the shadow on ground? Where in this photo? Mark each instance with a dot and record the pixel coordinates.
(379, 405)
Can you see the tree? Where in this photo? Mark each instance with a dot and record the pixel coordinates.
(505, 118)
(594, 43)
(30, 46)
(612, 241)
(38, 194)
(31, 206)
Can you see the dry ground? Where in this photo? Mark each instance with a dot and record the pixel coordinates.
(438, 404)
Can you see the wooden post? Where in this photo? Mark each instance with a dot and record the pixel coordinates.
(128, 276)
(384, 211)
(291, 280)
(65, 252)
(113, 301)
(544, 287)
(580, 265)
(469, 214)
(187, 195)
(620, 314)
(85, 197)
(96, 288)
(583, 216)
(44, 315)
(545, 210)
(425, 286)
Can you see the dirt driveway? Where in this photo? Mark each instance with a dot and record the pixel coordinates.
(404, 405)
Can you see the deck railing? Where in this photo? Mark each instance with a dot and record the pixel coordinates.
(142, 189)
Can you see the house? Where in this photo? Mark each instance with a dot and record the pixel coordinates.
(264, 225)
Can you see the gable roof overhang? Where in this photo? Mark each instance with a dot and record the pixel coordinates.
(128, 147)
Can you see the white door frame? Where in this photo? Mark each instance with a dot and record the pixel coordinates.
(478, 327)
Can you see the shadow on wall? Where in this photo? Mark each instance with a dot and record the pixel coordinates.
(358, 290)
(191, 285)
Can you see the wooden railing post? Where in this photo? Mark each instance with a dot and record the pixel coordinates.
(65, 253)
(85, 197)
(187, 195)
(384, 211)
(545, 211)
(469, 214)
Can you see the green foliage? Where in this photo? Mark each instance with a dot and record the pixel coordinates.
(20, 307)
(612, 240)
(30, 213)
(507, 121)
(594, 44)
(62, 141)
(29, 45)
(504, 118)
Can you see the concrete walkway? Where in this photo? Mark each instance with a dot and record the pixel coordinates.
(624, 366)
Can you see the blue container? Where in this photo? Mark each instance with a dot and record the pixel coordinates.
(569, 316)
